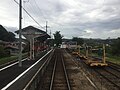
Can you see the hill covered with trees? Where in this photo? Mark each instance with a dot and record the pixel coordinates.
(5, 35)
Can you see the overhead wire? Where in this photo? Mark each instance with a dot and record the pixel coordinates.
(33, 10)
(41, 13)
(40, 10)
(30, 15)
(33, 6)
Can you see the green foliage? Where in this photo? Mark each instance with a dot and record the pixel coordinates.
(5, 35)
(79, 41)
(116, 47)
(3, 53)
(11, 36)
(113, 58)
(11, 58)
(57, 38)
(7, 59)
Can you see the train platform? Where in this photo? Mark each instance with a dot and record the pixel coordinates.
(11, 72)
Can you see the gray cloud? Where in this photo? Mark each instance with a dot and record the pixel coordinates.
(82, 18)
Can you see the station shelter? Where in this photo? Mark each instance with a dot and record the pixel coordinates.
(36, 37)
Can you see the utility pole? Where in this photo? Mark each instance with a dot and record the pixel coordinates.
(46, 26)
(20, 31)
(50, 34)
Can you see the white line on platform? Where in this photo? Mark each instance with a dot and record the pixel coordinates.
(10, 65)
(8, 85)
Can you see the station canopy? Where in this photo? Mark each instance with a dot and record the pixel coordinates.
(31, 32)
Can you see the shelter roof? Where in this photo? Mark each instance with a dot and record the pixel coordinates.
(31, 28)
(41, 33)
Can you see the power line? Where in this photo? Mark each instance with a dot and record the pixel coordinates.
(30, 15)
(33, 7)
(40, 10)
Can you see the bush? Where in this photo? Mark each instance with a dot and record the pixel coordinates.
(3, 53)
(116, 47)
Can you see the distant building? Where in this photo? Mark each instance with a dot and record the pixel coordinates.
(11, 47)
(72, 45)
(63, 45)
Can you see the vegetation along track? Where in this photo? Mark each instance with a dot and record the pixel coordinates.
(109, 77)
(55, 77)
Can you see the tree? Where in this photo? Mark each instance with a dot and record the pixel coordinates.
(57, 38)
(79, 41)
(11, 36)
(5, 35)
(3, 52)
(116, 47)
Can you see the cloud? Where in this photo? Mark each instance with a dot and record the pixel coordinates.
(80, 18)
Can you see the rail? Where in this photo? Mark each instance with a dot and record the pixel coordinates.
(108, 79)
(64, 71)
(66, 75)
(53, 74)
(33, 83)
(29, 78)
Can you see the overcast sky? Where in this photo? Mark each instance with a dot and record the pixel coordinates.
(73, 18)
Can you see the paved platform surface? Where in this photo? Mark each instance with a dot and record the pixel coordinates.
(11, 73)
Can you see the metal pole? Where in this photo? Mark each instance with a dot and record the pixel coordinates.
(33, 49)
(30, 49)
(20, 27)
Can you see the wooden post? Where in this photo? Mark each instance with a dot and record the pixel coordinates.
(79, 49)
(87, 51)
(104, 53)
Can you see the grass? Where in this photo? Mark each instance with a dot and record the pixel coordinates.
(7, 59)
(11, 58)
(109, 57)
(114, 59)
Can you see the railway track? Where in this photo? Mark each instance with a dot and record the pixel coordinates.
(113, 79)
(109, 76)
(114, 66)
(56, 77)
